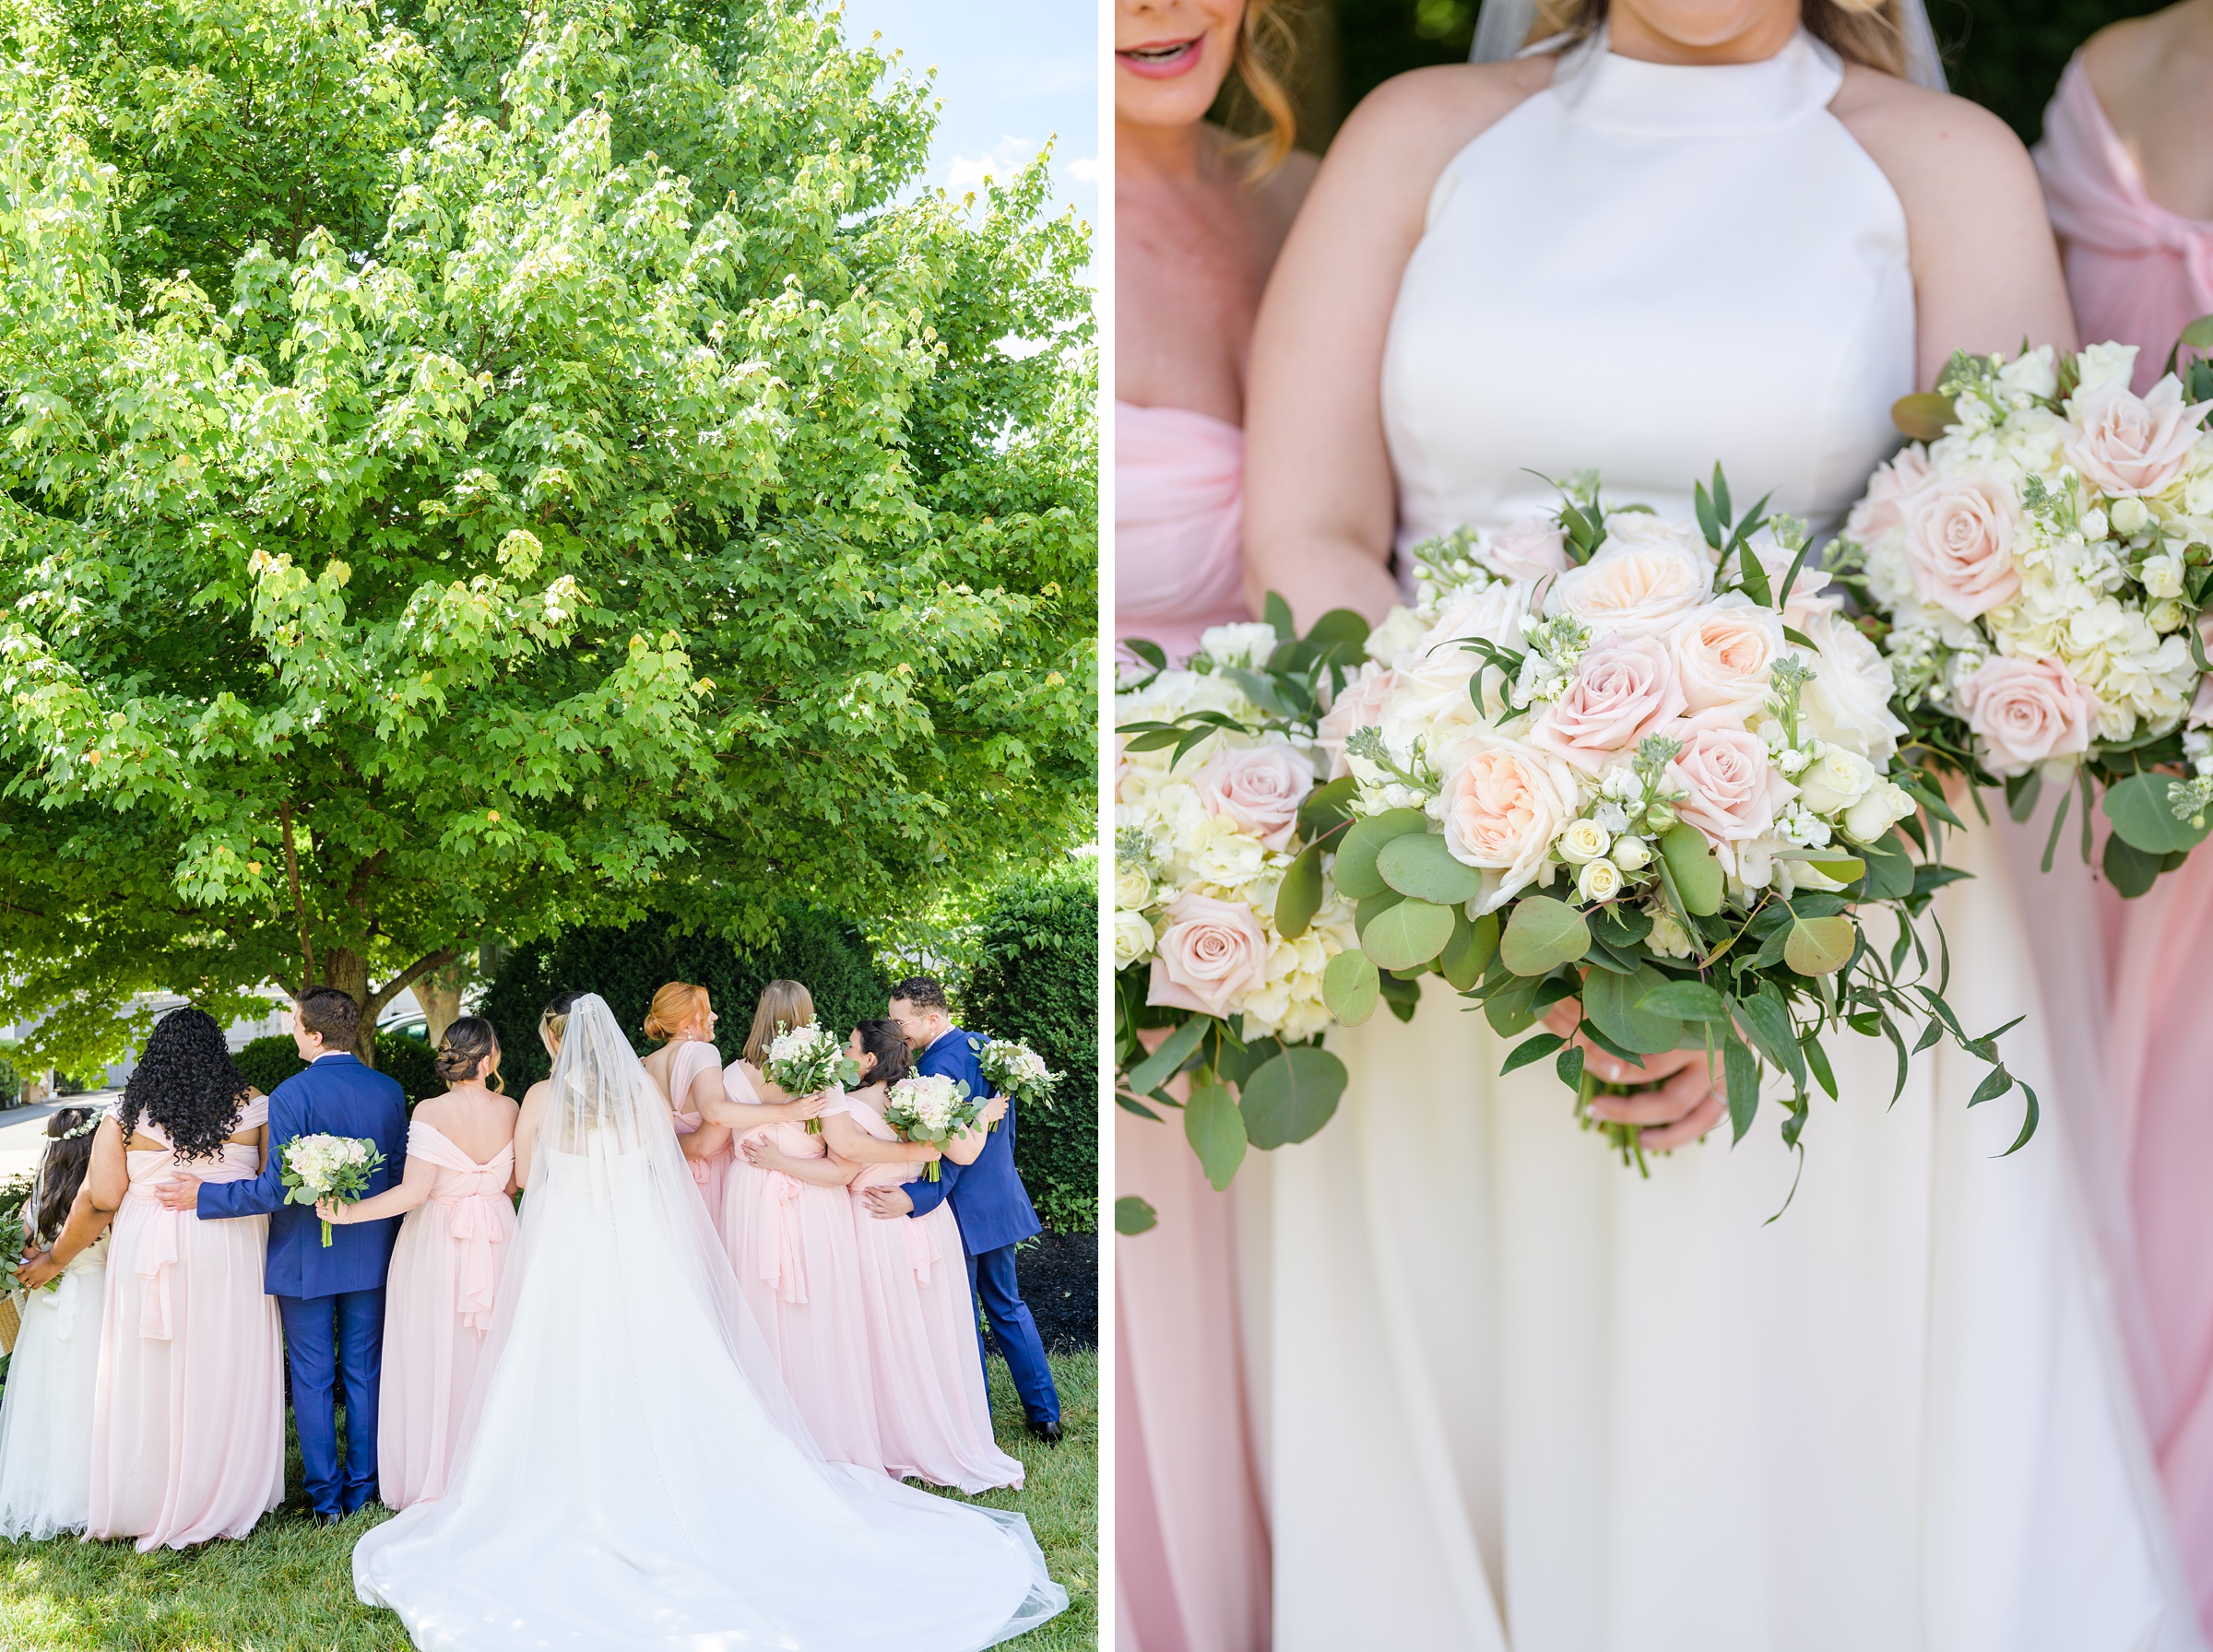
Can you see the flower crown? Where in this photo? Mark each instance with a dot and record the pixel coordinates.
(86, 1128)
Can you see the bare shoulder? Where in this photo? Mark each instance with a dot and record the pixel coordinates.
(1415, 122)
(2124, 55)
(1936, 148)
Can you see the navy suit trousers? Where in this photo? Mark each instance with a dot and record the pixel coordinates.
(329, 1342)
(991, 1282)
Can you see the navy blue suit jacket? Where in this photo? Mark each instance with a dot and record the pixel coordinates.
(335, 1096)
(989, 1200)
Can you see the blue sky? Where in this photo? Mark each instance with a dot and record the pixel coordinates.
(1011, 74)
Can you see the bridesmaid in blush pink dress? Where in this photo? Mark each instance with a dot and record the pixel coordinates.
(447, 1264)
(788, 1224)
(2127, 167)
(931, 1407)
(1201, 220)
(688, 1068)
(188, 1407)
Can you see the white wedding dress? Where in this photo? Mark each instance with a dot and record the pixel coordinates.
(1511, 1396)
(633, 1473)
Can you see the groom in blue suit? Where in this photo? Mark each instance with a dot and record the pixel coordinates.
(988, 1202)
(332, 1300)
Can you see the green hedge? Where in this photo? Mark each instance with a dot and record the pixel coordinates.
(268, 1062)
(1036, 977)
(627, 966)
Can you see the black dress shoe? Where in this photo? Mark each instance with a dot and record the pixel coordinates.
(327, 1519)
(1048, 1431)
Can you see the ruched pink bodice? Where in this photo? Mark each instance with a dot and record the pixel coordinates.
(2138, 273)
(780, 1255)
(479, 1215)
(161, 1240)
(1178, 562)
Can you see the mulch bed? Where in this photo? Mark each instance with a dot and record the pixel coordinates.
(1059, 1278)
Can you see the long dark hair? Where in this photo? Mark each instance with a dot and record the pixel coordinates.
(61, 1172)
(888, 1044)
(187, 1084)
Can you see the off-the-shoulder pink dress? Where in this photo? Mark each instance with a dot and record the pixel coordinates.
(798, 1267)
(188, 1408)
(2138, 273)
(930, 1404)
(444, 1277)
(692, 1058)
(1191, 1541)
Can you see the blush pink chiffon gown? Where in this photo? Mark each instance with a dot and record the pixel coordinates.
(2138, 273)
(438, 1297)
(693, 1056)
(188, 1407)
(798, 1268)
(1191, 1543)
(930, 1404)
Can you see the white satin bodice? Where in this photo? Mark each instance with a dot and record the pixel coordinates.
(1644, 270)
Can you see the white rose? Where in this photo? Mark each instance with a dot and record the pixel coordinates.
(1584, 841)
(1599, 880)
(1503, 804)
(1881, 809)
(1848, 703)
(1667, 937)
(2130, 515)
(1631, 855)
(1402, 629)
(1132, 886)
(1837, 779)
(1642, 582)
(2162, 575)
(2103, 364)
(1132, 939)
(1247, 643)
(2035, 373)
(1723, 652)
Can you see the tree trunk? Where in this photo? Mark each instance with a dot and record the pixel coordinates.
(439, 996)
(348, 972)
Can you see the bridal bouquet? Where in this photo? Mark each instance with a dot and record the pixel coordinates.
(332, 1167)
(2037, 565)
(1224, 920)
(802, 1060)
(1650, 766)
(933, 1108)
(1014, 1070)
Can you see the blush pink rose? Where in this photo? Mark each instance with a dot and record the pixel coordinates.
(1505, 802)
(1623, 689)
(1736, 792)
(1960, 535)
(1211, 955)
(1531, 548)
(1639, 583)
(1258, 788)
(2125, 443)
(1360, 706)
(2026, 712)
(1882, 507)
(1723, 653)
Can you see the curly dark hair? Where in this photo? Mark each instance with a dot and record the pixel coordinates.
(187, 1084)
(924, 992)
(884, 1040)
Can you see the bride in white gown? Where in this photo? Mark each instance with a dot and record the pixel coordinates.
(633, 1474)
(1511, 1395)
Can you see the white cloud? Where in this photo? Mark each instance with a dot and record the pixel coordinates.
(1084, 170)
(967, 173)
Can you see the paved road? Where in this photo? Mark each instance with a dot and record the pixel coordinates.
(23, 1129)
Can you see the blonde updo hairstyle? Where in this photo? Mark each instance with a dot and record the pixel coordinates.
(1871, 33)
(784, 1005)
(675, 1007)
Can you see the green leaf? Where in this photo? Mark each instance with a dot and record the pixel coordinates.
(1541, 935)
(1569, 1066)
(1235, 1063)
(1996, 1083)
(1133, 1216)
(1216, 1129)
(1411, 933)
(1418, 864)
(1617, 1004)
(1350, 987)
(1685, 1000)
(1340, 628)
(1507, 1018)
(1356, 851)
(1160, 1067)
(1816, 1059)
(1277, 612)
(1820, 946)
(1742, 1073)
(1327, 805)
(1697, 874)
(1769, 1024)
(2028, 1121)
(1721, 495)
(1474, 942)
(1292, 1096)
(1922, 417)
(2199, 334)
(1368, 908)
(2129, 869)
(2140, 812)
(1846, 869)
(1299, 896)
(1531, 1051)
(2021, 793)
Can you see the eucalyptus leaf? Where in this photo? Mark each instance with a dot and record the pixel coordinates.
(1685, 1001)
(1133, 1216)
(1356, 851)
(1473, 944)
(1350, 986)
(1175, 1049)
(1820, 946)
(1541, 935)
(1410, 933)
(1922, 417)
(2129, 869)
(1697, 874)
(1292, 1096)
(1216, 1129)
(2140, 812)
(1617, 1004)
(1418, 864)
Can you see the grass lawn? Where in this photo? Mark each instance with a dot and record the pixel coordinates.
(288, 1587)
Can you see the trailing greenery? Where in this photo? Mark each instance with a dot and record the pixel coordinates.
(289, 1587)
(268, 1062)
(531, 467)
(627, 966)
(1036, 978)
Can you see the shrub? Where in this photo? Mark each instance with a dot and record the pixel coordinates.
(1036, 978)
(268, 1062)
(626, 967)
